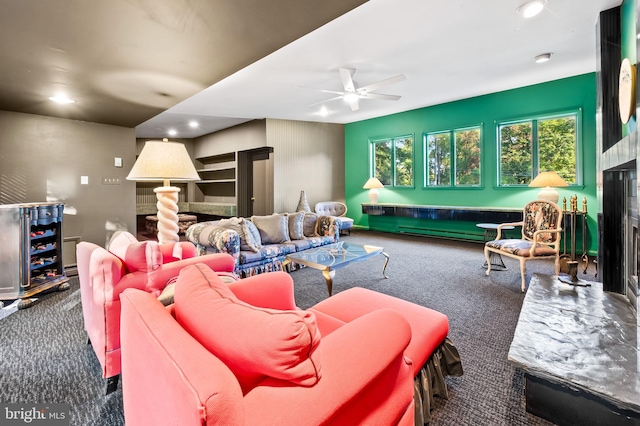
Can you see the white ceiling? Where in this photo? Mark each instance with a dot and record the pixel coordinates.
(448, 50)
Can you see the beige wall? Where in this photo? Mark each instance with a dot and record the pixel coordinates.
(42, 159)
(307, 157)
(242, 137)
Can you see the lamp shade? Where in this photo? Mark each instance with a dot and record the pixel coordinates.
(545, 179)
(162, 161)
(373, 183)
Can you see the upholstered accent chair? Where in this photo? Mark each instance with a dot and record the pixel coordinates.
(128, 263)
(541, 228)
(237, 354)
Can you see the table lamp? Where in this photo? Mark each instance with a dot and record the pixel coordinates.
(165, 161)
(373, 184)
(546, 181)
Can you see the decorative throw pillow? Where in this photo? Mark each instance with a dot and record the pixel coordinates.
(253, 342)
(296, 225)
(247, 242)
(309, 225)
(273, 229)
(251, 235)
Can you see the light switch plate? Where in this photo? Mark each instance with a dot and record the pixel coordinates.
(84, 180)
(117, 161)
(111, 180)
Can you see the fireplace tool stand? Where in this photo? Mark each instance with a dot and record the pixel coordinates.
(572, 264)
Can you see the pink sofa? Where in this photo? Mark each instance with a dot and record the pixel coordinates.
(243, 353)
(128, 263)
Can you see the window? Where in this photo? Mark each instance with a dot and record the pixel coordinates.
(397, 151)
(530, 146)
(452, 158)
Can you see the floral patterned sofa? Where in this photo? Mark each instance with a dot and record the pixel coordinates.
(261, 243)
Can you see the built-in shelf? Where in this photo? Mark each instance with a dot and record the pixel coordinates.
(218, 178)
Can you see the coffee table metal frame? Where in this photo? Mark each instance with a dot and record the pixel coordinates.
(330, 257)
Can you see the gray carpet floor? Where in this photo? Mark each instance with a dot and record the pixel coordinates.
(45, 357)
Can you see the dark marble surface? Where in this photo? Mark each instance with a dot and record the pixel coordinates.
(580, 336)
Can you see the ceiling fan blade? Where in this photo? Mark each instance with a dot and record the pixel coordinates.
(380, 96)
(347, 79)
(382, 83)
(354, 104)
(326, 100)
(335, 92)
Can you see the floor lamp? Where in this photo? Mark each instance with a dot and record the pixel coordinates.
(165, 161)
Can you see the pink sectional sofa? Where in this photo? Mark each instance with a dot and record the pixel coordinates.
(243, 353)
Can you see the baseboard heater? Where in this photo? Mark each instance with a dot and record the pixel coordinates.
(442, 233)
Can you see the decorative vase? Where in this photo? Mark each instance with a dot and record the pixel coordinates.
(303, 205)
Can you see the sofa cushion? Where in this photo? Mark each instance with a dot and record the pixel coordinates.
(247, 238)
(253, 342)
(309, 225)
(296, 225)
(274, 229)
(267, 251)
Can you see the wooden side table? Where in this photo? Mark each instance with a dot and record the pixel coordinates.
(490, 233)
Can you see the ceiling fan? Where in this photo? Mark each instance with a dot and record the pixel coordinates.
(352, 93)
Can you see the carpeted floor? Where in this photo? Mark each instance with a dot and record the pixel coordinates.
(45, 357)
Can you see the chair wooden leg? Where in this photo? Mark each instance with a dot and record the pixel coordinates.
(523, 273)
(487, 255)
(557, 265)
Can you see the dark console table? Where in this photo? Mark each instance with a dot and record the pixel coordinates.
(444, 221)
(469, 214)
(578, 348)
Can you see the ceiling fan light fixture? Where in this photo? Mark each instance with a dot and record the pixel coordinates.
(351, 97)
(531, 9)
(543, 58)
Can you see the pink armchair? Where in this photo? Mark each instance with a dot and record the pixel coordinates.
(105, 274)
(242, 354)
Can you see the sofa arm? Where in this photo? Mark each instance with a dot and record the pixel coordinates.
(328, 226)
(212, 238)
(177, 251)
(219, 262)
(273, 290)
(364, 373)
(167, 376)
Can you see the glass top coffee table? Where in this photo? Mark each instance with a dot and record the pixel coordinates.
(334, 256)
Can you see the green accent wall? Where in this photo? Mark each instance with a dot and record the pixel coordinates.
(574, 93)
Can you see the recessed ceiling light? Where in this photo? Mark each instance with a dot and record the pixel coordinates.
(193, 124)
(172, 132)
(531, 9)
(324, 111)
(62, 99)
(543, 58)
